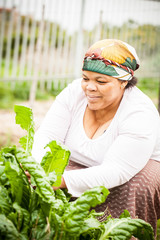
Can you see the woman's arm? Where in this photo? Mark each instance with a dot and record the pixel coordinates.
(127, 155)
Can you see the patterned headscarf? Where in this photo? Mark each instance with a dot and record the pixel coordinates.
(112, 57)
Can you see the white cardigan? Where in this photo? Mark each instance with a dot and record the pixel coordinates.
(132, 138)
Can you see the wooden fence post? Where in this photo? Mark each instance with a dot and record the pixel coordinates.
(37, 60)
(79, 46)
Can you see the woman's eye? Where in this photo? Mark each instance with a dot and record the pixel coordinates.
(101, 82)
(85, 79)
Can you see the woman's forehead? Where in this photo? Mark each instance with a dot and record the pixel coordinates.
(97, 75)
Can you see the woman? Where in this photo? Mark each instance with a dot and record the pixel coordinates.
(112, 130)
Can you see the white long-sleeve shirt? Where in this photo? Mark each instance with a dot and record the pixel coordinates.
(132, 138)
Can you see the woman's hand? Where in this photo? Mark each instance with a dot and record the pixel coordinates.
(63, 184)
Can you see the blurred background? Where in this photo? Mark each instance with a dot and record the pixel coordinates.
(42, 45)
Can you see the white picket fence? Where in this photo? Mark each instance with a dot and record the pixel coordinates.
(45, 40)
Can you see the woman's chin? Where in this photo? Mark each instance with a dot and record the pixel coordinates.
(93, 106)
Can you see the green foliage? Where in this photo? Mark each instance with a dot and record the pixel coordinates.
(12, 92)
(150, 86)
(6, 96)
(125, 228)
(50, 161)
(39, 213)
(21, 90)
(24, 117)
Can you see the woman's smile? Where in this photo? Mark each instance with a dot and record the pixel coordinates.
(92, 98)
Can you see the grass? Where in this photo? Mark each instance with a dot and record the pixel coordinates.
(19, 91)
(150, 86)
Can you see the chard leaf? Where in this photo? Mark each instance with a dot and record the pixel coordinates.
(57, 225)
(61, 195)
(125, 228)
(7, 154)
(34, 204)
(12, 216)
(52, 177)
(75, 214)
(5, 201)
(7, 229)
(56, 160)
(20, 187)
(125, 214)
(43, 187)
(41, 229)
(16, 182)
(91, 229)
(24, 117)
(23, 221)
(2, 170)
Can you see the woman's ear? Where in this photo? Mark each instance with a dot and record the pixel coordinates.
(124, 84)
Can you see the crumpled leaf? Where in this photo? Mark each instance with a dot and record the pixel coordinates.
(43, 187)
(124, 228)
(75, 214)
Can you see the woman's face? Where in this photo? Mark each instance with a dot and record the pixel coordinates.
(102, 91)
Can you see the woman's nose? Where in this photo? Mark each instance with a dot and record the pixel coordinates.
(91, 86)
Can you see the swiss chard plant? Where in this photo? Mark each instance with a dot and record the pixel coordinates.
(38, 212)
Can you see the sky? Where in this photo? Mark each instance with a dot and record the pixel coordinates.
(67, 12)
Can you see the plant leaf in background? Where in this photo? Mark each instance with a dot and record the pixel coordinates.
(56, 160)
(24, 117)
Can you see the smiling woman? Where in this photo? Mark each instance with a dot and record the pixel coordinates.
(104, 94)
(112, 130)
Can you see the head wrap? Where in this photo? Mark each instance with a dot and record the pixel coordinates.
(112, 57)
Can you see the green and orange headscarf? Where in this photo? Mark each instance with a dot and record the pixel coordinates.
(112, 57)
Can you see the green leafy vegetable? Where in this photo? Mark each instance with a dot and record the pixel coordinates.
(7, 229)
(51, 161)
(39, 213)
(5, 201)
(125, 228)
(24, 117)
(78, 210)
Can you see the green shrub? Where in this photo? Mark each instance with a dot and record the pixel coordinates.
(21, 90)
(6, 96)
(149, 86)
